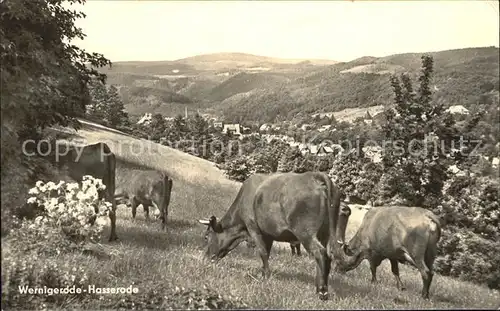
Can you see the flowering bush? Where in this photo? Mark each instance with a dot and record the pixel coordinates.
(67, 210)
(71, 217)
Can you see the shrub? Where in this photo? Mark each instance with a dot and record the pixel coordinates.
(69, 209)
(238, 169)
(63, 226)
(469, 256)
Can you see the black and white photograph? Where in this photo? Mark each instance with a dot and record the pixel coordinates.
(181, 155)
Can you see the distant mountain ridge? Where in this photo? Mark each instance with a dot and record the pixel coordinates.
(260, 88)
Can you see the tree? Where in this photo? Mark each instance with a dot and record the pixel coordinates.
(96, 108)
(44, 78)
(179, 124)
(106, 105)
(115, 110)
(158, 126)
(416, 133)
(198, 125)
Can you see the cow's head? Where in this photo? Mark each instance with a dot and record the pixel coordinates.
(347, 256)
(345, 213)
(347, 259)
(220, 241)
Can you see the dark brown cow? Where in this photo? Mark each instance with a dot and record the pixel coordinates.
(146, 187)
(286, 207)
(95, 160)
(398, 233)
(345, 212)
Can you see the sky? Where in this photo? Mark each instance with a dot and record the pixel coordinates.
(341, 30)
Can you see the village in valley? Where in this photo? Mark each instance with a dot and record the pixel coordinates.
(373, 116)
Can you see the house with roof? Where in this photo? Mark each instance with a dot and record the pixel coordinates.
(146, 118)
(264, 127)
(234, 129)
(457, 109)
(324, 151)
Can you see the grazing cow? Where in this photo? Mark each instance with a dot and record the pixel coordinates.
(146, 187)
(345, 212)
(284, 207)
(398, 233)
(95, 160)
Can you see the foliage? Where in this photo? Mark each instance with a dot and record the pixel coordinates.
(181, 298)
(346, 171)
(368, 182)
(106, 106)
(469, 256)
(44, 78)
(237, 169)
(472, 203)
(67, 223)
(68, 209)
(416, 154)
(26, 270)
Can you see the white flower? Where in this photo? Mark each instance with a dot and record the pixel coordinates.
(61, 207)
(101, 221)
(51, 185)
(39, 183)
(32, 200)
(33, 191)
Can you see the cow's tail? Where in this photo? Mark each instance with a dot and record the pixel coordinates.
(434, 237)
(167, 188)
(333, 208)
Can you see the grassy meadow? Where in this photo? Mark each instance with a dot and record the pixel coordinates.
(154, 260)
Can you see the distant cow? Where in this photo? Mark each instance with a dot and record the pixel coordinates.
(284, 207)
(146, 187)
(95, 160)
(399, 234)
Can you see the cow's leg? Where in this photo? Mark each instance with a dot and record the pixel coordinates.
(395, 272)
(328, 260)
(430, 256)
(427, 275)
(112, 219)
(146, 210)
(264, 245)
(133, 204)
(298, 249)
(163, 217)
(374, 263)
(314, 247)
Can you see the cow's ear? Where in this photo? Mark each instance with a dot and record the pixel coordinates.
(212, 221)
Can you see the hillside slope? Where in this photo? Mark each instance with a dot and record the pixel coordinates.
(153, 259)
(271, 87)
